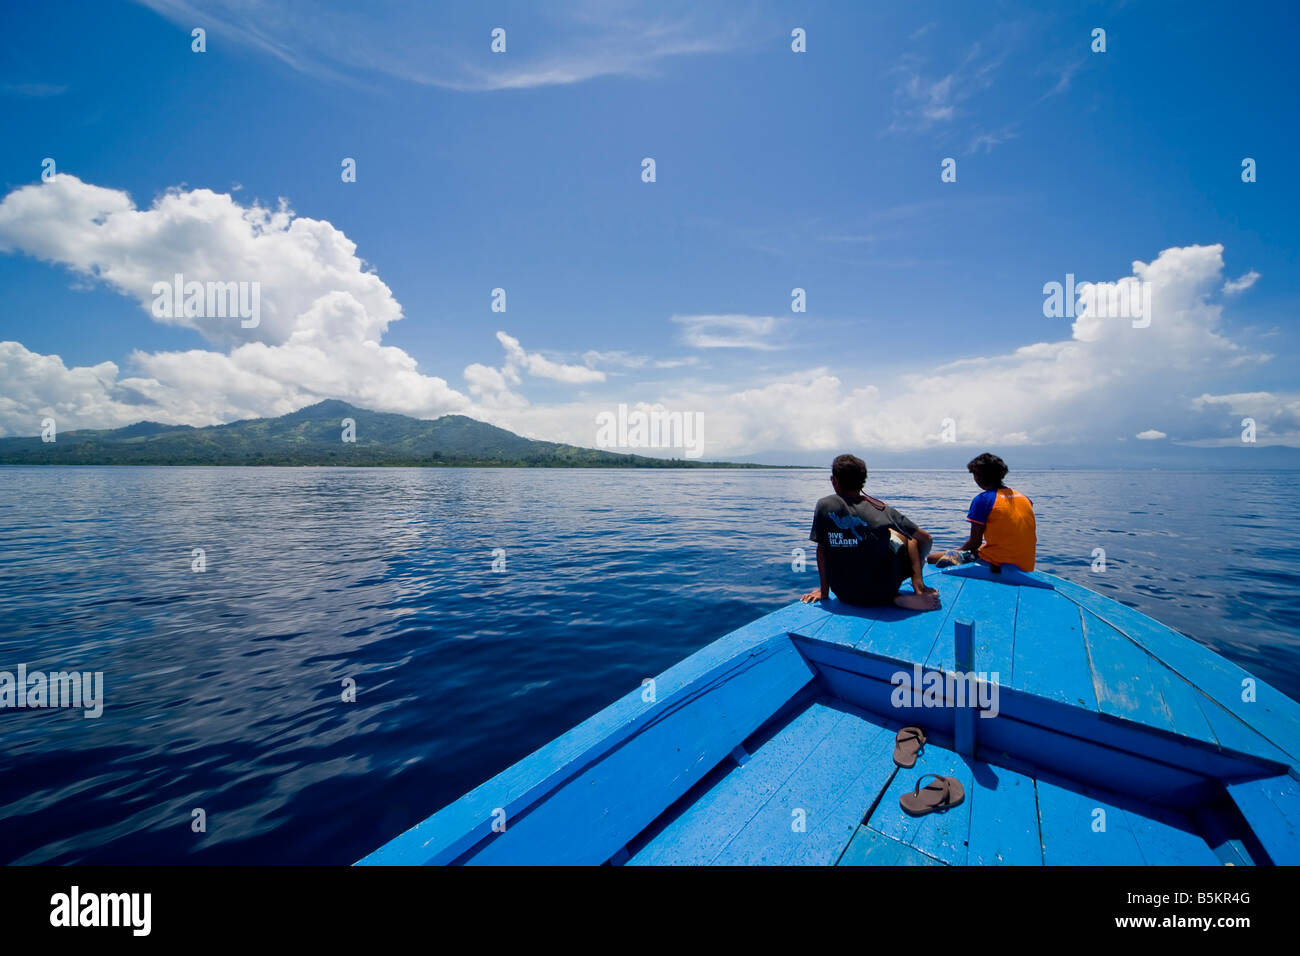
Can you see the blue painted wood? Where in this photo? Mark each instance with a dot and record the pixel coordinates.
(993, 608)
(830, 833)
(1067, 819)
(1182, 704)
(1007, 577)
(1110, 752)
(1095, 690)
(910, 635)
(1271, 806)
(1274, 715)
(1051, 660)
(964, 716)
(1135, 834)
(1236, 736)
(828, 794)
(704, 828)
(608, 804)
(1165, 839)
(940, 835)
(460, 826)
(842, 624)
(1106, 753)
(1003, 819)
(1121, 676)
(869, 848)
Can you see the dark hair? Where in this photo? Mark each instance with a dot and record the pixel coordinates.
(988, 469)
(849, 472)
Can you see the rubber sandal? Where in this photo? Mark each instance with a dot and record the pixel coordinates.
(907, 745)
(945, 792)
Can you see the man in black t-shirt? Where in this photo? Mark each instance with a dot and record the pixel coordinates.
(865, 548)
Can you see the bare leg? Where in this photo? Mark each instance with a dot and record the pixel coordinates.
(914, 557)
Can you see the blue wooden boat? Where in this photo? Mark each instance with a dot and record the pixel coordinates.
(1116, 741)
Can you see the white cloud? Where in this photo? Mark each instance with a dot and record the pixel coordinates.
(923, 100)
(1086, 381)
(538, 365)
(1241, 284)
(323, 315)
(1103, 377)
(353, 44)
(1150, 435)
(728, 331)
(208, 237)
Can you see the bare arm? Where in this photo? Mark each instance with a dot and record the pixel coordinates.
(976, 538)
(823, 591)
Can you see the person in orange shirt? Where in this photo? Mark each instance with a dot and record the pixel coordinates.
(1001, 521)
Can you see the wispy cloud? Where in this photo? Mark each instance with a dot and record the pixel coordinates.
(378, 39)
(34, 90)
(1064, 78)
(1241, 284)
(728, 331)
(986, 140)
(923, 99)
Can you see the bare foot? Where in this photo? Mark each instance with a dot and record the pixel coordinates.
(927, 601)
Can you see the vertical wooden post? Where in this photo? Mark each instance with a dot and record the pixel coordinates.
(964, 717)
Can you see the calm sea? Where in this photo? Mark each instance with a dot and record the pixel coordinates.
(223, 687)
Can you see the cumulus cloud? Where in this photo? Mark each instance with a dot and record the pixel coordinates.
(326, 313)
(1151, 435)
(207, 237)
(323, 313)
(1101, 377)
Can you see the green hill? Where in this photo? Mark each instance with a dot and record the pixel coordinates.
(313, 436)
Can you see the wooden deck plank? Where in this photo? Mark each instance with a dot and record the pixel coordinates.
(1235, 734)
(838, 781)
(1003, 819)
(830, 833)
(910, 635)
(1121, 676)
(1271, 806)
(1067, 818)
(1165, 840)
(595, 813)
(1051, 659)
(940, 835)
(1272, 713)
(1182, 703)
(699, 834)
(843, 625)
(869, 848)
(992, 606)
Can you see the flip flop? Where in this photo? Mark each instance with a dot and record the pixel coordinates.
(907, 745)
(945, 792)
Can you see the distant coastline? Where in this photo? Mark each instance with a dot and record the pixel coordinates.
(328, 434)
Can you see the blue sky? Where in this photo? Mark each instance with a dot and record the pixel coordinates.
(775, 170)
